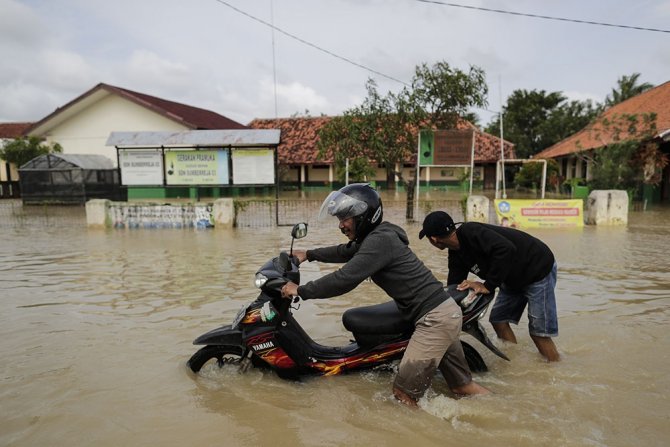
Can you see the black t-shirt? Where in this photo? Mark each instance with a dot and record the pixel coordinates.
(498, 255)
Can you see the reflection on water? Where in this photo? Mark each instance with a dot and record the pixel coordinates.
(96, 327)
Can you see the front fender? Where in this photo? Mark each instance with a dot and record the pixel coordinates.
(225, 335)
(477, 331)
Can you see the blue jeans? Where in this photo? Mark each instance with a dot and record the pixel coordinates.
(541, 301)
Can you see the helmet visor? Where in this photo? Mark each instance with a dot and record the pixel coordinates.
(341, 206)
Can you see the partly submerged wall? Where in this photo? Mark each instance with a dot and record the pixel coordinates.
(104, 213)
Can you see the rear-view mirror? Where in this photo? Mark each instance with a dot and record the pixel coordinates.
(299, 230)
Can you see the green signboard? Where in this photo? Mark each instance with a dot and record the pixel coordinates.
(426, 147)
(446, 147)
(202, 167)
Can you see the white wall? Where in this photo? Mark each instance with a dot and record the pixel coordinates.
(3, 165)
(87, 131)
(318, 175)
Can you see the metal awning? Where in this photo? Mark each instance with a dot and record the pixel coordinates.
(214, 138)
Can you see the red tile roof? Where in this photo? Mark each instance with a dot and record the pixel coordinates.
(13, 130)
(192, 117)
(656, 100)
(299, 138)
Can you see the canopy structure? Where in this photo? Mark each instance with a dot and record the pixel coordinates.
(69, 179)
(195, 138)
(207, 162)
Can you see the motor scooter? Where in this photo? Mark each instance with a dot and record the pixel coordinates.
(265, 334)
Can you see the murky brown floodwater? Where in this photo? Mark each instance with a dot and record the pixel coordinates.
(96, 327)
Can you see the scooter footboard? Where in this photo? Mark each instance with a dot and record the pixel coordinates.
(372, 340)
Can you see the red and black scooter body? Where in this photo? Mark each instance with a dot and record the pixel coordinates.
(266, 332)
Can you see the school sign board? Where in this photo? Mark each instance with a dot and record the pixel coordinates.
(544, 213)
(141, 167)
(446, 147)
(197, 158)
(202, 167)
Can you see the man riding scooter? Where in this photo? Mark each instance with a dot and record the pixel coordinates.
(380, 251)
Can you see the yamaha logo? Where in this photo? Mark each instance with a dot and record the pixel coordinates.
(263, 346)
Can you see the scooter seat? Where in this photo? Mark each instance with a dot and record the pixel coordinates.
(382, 318)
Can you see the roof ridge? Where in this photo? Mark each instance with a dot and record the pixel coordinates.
(187, 115)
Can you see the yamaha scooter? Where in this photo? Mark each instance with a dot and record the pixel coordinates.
(265, 334)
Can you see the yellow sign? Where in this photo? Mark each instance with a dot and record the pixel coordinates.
(201, 167)
(545, 213)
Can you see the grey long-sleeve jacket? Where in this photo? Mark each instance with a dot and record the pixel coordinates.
(385, 257)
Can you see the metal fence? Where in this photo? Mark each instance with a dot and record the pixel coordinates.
(268, 213)
(14, 214)
(253, 213)
(9, 190)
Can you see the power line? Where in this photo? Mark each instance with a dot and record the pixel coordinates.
(303, 41)
(538, 16)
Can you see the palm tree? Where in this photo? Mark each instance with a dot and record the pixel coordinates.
(627, 87)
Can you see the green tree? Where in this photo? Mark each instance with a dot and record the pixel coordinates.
(534, 120)
(472, 117)
(360, 170)
(441, 94)
(631, 157)
(383, 129)
(530, 174)
(24, 149)
(613, 167)
(378, 130)
(627, 87)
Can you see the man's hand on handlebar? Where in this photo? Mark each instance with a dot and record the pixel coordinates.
(300, 255)
(477, 286)
(289, 290)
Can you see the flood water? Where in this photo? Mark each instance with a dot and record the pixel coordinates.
(96, 328)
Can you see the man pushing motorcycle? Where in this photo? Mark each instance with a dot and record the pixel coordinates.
(380, 251)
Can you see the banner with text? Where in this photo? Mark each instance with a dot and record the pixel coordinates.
(141, 167)
(253, 166)
(205, 167)
(544, 213)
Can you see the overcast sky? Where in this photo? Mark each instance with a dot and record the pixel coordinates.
(206, 54)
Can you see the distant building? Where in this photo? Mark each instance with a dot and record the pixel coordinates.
(570, 152)
(298, 155)
(9, 174)
(83, 125)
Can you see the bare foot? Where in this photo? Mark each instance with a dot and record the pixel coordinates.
(404, 398)
(470, 389)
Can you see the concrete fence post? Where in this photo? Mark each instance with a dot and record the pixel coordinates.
(223, 213)
(477, 209)
(607, 207)
(97, 213)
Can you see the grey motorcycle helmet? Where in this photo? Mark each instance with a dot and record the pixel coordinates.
(358, 200)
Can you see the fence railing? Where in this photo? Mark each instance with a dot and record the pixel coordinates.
(14, 214)
(252, 213)
(268, 213)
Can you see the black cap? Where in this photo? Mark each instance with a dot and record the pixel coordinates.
(437, 223)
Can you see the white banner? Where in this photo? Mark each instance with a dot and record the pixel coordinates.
(253, 166)
(141, 167)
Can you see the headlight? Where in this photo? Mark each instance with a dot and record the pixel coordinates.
(260, 280)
